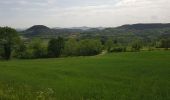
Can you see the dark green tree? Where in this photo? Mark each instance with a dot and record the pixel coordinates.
(165, 43)
(8, 39)
(55, 47)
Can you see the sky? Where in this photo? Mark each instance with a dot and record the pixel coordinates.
(76, 13)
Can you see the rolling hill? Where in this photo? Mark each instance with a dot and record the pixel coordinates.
(122, 33)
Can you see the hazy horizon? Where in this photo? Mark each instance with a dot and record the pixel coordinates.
(83, 26)
(78, 13)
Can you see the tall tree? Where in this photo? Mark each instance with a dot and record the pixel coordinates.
(55, 47)
(8, 39)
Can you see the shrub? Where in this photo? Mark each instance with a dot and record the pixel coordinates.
(136, 46)
(89, 47)
(109, 45)
(70, 48)
(20, 51)
(35, 49)
(118, 49)
(165, 43)
(38, 49)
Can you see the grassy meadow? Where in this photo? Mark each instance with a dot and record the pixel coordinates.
(117, 76)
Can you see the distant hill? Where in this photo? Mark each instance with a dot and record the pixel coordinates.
(37, 30)
(145, 26)
(124, 32)
(85, 28)
(44, 31)
(38, 27)
(127, 33)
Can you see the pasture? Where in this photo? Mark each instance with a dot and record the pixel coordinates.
(117, 76)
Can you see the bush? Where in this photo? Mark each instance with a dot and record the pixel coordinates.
(35, 49)
(28, 54)
(70, 48)
(89, 47)
(109, 44)
(20, 51)
(38, 49)
(118, 49)
(165, 43)
(136, 46)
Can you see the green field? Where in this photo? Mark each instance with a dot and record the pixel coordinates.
(117, 76)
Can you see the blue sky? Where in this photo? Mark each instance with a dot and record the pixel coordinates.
(75, 13)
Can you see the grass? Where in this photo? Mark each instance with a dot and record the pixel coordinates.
(116, 76)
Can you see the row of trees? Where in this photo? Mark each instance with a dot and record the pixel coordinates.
(113, 46)
(11, 44)
(164, 43)
(58, 47)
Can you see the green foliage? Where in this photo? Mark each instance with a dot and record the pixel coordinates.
(1, 51)
(109, 44)
(21, 51)
(33, 49)
(118, 49)
(165, 43)
(89, 47)
(70, 48)
(55, 47)
(39, 50)
(86, 47)
(136, 45)
(158, 44)
(8, 39)
(114, 46)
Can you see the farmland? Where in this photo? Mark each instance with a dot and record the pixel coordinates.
(116, 76)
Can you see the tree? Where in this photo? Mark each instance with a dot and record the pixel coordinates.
(1, 51)
(55, 47)
(89, 47)
(109, 44)
(136, 45)
(165, 43)
(70, 48)
(20, 51)
(39, 50)
(8, 39)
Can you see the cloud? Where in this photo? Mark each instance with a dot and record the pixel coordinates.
(65, 13)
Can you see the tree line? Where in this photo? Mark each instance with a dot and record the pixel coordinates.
(12, 45)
